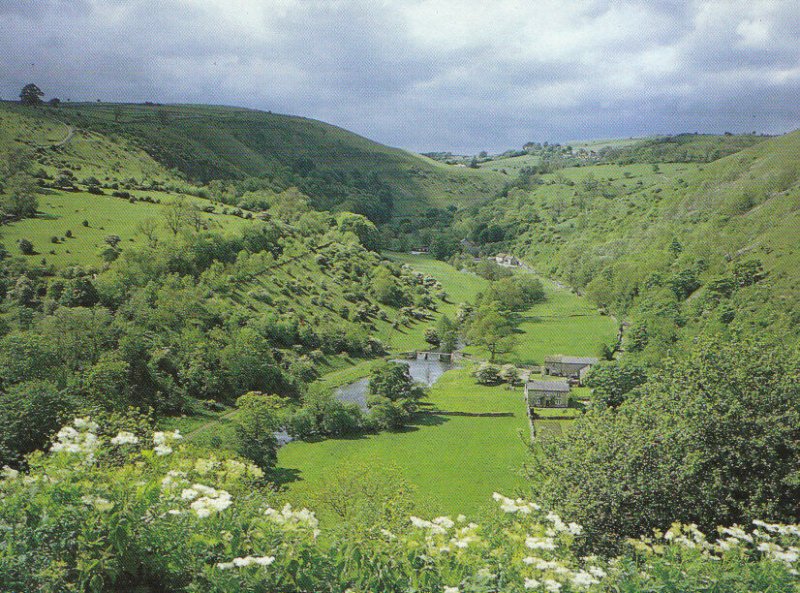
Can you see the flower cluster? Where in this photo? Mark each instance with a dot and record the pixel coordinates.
(162, 441)
(206, 500)
(246, 561)
(79, 438)
(508, 505)
(291, 519)
(767, 540)
(125, 438)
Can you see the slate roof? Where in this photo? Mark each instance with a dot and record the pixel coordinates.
(571, 359)
(561, 386)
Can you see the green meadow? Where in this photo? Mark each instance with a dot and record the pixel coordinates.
(60, 212)
(469, 442)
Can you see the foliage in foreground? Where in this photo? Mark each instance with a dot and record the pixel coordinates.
(712, 438)
(104, 513)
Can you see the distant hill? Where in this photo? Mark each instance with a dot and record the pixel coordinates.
(679, 248)
(338, 169)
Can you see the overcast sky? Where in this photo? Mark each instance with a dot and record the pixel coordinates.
(427, 75)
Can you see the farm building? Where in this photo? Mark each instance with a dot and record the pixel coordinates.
(547, 394)
(572, 367)
(505, 259)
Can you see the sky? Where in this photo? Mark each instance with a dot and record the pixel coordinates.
(427, 75)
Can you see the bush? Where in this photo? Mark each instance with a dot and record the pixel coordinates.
(258, 419)
(712, 438)
(133, 510)
(25, 247)
(487, 374)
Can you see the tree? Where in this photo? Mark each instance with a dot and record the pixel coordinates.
(30, 414)
(258, 418)
(31, 95)
(25, 247)
(487, 374)
(492, 330)
(432, 337)
(361, 227)
(611, 382)
(20, 197)
(713, 438)
(392, 395)
(448, 334)
(174, 215)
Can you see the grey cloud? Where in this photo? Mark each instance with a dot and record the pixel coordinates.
(450, 74)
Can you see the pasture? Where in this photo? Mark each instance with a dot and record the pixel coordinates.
(469, 442)
(60, 212)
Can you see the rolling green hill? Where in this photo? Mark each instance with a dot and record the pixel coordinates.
(676, 247)
(338, 169)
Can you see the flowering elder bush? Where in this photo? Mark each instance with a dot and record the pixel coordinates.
(106, 513)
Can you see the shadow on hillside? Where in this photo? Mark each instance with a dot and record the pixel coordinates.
(281, 476)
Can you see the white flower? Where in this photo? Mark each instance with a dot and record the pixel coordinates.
(125, 438)
(225, 565)
(162, 450)
(531, 583)
(539, 543)
(552, 586)
(450, 590)
(9, 473)
(445, 522)
(189, 494)
(597, 571)
(583, 580)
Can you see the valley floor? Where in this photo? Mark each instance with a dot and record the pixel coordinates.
(472, 440)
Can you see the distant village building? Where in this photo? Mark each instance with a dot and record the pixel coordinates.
(547, 394)
(572, 367)
(419, 250)
(469, 247)
(504, 259)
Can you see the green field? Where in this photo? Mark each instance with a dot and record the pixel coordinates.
(468, 444)
(456, 457)
(564, 324)
(60, 212)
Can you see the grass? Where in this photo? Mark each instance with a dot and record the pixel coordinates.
(107, 215)
(213, 142)
(470, 443)
(461, 287)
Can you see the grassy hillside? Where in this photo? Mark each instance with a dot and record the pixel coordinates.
(334, 166)
(669, 242)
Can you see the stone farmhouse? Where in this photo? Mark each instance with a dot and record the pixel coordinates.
(571, 367)
(547, 394)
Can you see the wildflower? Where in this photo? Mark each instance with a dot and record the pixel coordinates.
(597, 571)
(450, 590)
(575, 529)
(292, 519)
(101, 504)
(174, 478)
(539, 543)
(552, 586)
(125, 438)
(162, 450)
(531, 583)
(583, 579)
(9, 473)
(445, 522)
(246, 561)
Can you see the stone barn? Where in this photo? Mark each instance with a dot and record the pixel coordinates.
(571, 367)
(547, 394)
